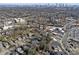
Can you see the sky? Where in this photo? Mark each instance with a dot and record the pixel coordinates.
(39, 1)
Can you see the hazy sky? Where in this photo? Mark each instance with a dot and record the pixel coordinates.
(39, 1)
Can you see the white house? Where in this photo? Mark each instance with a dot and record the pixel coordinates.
(8, 25)
(21, 20)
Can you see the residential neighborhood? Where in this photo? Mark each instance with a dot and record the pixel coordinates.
(39, 30)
